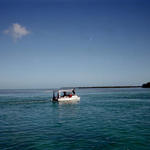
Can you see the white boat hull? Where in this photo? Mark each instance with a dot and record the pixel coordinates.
(66, 98)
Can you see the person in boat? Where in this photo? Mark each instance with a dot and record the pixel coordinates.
(73, 91)
(65, 94)
(57, 96)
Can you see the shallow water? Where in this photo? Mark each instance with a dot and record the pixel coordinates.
(104, 119)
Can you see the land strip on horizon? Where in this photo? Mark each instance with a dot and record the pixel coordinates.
(82, 87)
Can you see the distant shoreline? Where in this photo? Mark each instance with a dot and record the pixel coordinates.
(87, 87)
(80, 87)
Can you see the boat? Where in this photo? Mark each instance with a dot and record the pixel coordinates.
(65, 95)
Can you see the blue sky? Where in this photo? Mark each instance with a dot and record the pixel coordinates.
(45, 44)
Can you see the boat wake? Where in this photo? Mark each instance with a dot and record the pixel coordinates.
(23, 102)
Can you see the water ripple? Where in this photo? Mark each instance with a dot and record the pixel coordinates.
(104, 119)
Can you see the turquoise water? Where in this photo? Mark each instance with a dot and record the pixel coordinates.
(104, 119)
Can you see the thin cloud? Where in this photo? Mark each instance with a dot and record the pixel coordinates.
(90, 38)
(16, 31)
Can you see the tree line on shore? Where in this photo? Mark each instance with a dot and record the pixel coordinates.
(146, 85)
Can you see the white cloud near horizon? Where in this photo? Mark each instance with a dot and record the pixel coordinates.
(16, 31)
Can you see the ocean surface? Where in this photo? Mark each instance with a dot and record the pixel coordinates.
(104, 119)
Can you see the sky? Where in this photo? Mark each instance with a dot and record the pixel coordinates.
(62, 43)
